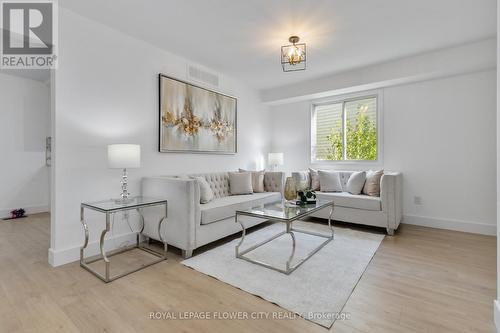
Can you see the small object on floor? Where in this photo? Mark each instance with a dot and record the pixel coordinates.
(17, 213)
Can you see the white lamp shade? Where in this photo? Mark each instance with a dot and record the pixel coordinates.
(124, 156)
(275, 158)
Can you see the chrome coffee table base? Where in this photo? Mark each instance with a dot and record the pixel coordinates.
(290, 230)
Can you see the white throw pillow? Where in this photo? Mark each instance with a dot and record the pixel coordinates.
(356, 182)
(257, 180)
(330, 181)
(315, 182)
(206, 193)
(302, 180)
(240, 183)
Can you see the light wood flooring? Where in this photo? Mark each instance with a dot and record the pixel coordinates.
(421, 280)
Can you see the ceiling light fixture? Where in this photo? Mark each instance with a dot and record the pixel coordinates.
(293, 57)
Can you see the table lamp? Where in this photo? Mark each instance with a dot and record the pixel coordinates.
(124, 156)
(275, 159)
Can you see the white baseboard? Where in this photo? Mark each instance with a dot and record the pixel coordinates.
(456, 225)
(35, 209)
(72, 254)
(496, 315)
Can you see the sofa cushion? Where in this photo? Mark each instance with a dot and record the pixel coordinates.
(329, 181)
(240, 183)
(302, 180)
(314, 179)
(257, 180)
(345, 199)
(225, 207)
(206, 194)
(356, 182)
(372, 184)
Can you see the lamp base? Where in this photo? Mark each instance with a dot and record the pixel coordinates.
(125, 199)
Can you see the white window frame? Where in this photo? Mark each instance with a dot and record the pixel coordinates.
(342, 99)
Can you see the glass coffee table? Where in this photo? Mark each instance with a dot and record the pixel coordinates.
(283, 212)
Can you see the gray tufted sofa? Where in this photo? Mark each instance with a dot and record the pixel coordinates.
(191, 224)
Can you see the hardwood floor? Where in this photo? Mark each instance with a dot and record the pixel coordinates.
(421, 280)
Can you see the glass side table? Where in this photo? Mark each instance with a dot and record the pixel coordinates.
(110, 207)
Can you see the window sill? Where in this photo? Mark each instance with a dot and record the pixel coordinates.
(356, 165)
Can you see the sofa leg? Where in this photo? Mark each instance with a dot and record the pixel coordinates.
(390, 231)
(187, 254)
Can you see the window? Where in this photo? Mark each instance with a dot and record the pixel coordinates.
(345, 130)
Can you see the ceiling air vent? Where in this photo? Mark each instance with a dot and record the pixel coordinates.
(200, 75)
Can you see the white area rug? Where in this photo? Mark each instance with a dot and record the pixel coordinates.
(317, 290)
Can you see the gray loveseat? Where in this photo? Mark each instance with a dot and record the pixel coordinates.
(385, 211)
(191, 224)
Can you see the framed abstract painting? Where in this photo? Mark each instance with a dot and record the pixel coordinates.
(195, 120)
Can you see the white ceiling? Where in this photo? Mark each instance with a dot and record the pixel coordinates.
(242, 38)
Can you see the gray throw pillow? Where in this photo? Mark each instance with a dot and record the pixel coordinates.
(330, 181)
(302, 180)
(372, 184)
(257, 180)
(206, 193)
(356, 182)
(240, 183)
(315, 183)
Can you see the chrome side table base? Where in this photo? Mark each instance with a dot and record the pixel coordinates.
(290, 230)
(161, 256)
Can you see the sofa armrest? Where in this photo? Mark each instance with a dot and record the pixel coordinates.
(274, 181)
(183, 197)
(391, 192)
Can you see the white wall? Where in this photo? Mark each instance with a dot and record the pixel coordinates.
(25, 122)
(107, 92)
(496, 305)
(440, 133)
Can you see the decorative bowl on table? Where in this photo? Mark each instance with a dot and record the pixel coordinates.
(306, 197)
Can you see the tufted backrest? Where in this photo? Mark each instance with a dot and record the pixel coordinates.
(344, 177)
(273, 181)
(218, 181)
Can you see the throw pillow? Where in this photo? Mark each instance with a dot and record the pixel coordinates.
(206, 193)
(372, 184)
(257, 180)
(240, 183)
(315, 183)
(356, 182)
(302, 180)
(330, 181)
